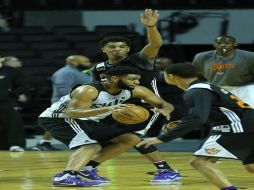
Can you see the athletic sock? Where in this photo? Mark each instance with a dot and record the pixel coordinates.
(91, 164)
(162, 166)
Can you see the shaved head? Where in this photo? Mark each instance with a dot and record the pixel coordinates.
(78, 60)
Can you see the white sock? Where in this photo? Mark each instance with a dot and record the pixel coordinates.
(88, 168)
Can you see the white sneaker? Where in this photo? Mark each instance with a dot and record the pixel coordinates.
(16, 149)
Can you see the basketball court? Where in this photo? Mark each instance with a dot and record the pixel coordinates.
(32, 170)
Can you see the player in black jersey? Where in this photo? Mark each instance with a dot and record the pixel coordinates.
(232, 120)
(116, 49)
(94, 103)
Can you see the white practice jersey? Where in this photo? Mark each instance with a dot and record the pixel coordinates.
(58, 109)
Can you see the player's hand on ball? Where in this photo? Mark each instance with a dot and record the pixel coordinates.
(168, 127)
(117, 108)
(146, 142)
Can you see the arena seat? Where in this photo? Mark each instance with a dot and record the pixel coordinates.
(12, 45)
(49, 45)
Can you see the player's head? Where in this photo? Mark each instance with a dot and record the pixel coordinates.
(224, 45)
(79, 61)
(115, 47)
(123, 77)
(162, 62)
(12, 61)
(176, 74)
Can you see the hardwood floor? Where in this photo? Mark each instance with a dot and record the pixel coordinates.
(32, 170)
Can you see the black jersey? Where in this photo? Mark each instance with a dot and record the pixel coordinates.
(146, 67)
(207, 102)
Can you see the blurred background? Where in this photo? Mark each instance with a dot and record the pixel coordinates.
(42, 33)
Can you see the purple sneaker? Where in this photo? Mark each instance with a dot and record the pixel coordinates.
(65, 179)
(93, 175)
(166, 176)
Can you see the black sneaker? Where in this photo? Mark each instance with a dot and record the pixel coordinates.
(46, 146)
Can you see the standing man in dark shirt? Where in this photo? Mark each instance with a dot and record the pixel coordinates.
(13, 88)
(116, 50)
(232, 131)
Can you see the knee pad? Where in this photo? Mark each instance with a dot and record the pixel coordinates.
(147, 150)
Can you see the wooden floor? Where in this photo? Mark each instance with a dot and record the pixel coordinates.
(32, 170)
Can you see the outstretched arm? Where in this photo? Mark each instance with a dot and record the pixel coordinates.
(161, 106)
(198, 115)
(149, 19)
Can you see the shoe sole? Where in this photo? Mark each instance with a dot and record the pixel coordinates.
(176, 179)
(72, 185)
(166, 183)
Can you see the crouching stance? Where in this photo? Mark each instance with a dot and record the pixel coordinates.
(94, 103)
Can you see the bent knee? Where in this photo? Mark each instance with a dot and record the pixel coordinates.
(250, 168)
(94, 147)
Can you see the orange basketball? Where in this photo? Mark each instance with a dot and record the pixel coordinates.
(131, 114)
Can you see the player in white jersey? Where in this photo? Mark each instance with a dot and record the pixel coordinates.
(95, 103)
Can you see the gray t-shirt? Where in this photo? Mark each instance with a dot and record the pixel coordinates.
(233, 70)
(64, 79)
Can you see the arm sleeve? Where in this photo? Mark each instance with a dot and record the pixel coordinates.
(199, 104)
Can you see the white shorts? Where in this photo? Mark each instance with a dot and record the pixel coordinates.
(245, 93)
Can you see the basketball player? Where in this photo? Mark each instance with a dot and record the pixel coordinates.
(116, 49)
(94, 103)
(232, 133)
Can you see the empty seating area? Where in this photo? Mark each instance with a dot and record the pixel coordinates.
(126, 4)
(43, 51)
(39, 42)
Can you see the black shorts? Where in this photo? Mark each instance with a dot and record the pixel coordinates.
(75, 132)
(235, 146)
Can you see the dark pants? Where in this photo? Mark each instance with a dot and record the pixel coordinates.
(11, 126)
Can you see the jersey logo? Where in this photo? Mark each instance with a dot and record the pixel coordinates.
(100, 67)
(212, 151)
(114, 102)
(240, 103)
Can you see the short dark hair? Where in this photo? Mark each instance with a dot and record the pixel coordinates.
(106, 40)
(226, 36)
(122, 70)
(185, 70)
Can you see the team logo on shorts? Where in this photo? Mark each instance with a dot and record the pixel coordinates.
(212, 151)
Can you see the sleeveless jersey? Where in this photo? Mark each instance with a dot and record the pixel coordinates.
(58, 109)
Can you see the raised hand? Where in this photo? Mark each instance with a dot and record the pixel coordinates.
(149, 17)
